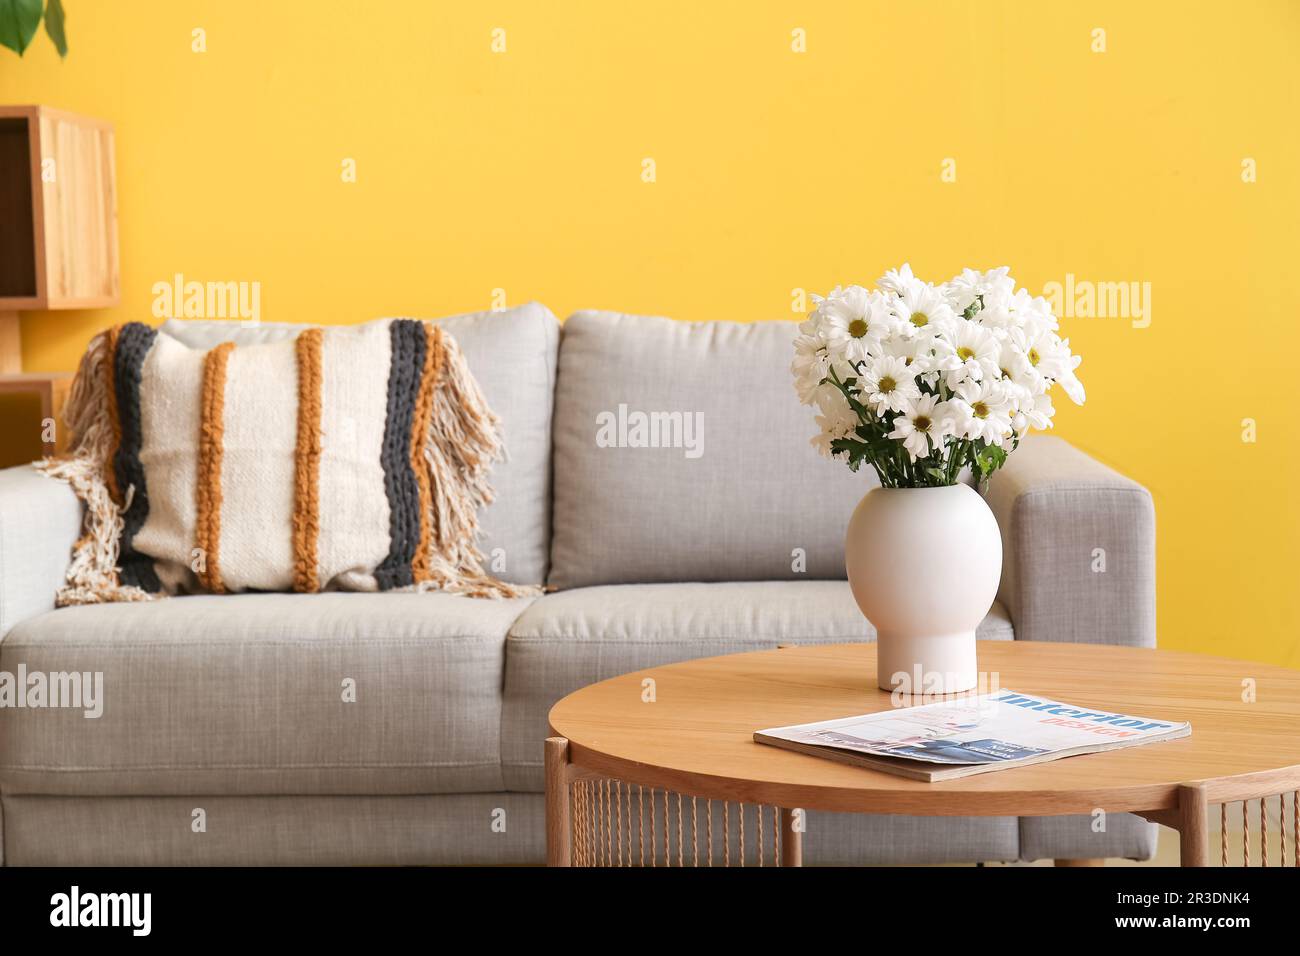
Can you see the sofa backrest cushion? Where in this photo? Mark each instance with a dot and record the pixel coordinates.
(738, 494)
(512, 354)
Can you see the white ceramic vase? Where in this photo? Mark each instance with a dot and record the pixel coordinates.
(924, 565)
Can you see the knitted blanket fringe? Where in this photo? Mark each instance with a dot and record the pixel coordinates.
(92, 574)
(464, 439)
(463, 442)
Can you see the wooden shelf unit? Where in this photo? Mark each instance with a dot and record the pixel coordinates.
(58, 247)
(57, 183)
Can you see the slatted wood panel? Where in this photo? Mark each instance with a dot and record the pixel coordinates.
(1262, 832)
(615, 823)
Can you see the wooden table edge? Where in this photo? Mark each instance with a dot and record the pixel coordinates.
(1148, 801)
(1157, 802)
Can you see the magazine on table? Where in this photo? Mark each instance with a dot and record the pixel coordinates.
(969, 735)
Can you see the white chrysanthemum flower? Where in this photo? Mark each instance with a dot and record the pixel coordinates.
(888, 384)
(983, 410)
(854, 322)
(1029, 312)
(923, 425)
(1021, 379)
(997, 318)
(810, 366)
(822, 440)
(899, 280)
(923, 310)
(851, 298)
(1067, 379)
(1035, 412)
(963, 290)
(917, 351)
(835, 419)
(971, 352)
(836, 408)
(1073, 387)
(1051, 358)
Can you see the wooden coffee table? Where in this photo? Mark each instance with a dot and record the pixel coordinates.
(678, 739)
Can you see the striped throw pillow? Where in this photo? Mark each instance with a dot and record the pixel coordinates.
(349, 458)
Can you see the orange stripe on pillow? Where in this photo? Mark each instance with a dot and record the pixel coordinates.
(306, 491)
(420, 422)
(207, 531)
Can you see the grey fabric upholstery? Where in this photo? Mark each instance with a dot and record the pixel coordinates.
(512, 353)
(446, 829)
(1125, 836)
(569, 639)
(1062, 514)
(450, 829)
(856, 839)
(244, 694)
(40, 520)
(757, 492)
(474, 829)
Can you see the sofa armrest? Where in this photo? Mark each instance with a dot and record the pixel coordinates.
(1078, 547)
(40, 521)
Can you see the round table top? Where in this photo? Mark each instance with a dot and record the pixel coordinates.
(696, 737)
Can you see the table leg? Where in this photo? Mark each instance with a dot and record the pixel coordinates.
(559, 820)
(792, 837)
(1193, 827)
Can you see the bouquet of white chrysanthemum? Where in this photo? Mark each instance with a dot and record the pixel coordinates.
(922, 381)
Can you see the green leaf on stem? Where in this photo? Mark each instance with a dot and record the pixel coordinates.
(989, 459)
(857, 451)
(55, 21)
(18, 22)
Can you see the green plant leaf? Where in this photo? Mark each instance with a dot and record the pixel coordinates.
(55, 19)
(857, 451)
(18, 22)
(989, 459)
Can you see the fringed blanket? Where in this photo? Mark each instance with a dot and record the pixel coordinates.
(347, 458)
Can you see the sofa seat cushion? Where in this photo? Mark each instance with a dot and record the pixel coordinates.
(569, 639)
(1126, 836)
(245, 694)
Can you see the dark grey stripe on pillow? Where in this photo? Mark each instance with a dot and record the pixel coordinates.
(133, 344)
(409, 343)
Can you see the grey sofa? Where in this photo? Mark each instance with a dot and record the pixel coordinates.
(225, 737)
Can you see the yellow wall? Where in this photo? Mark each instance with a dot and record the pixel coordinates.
(775, 170)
